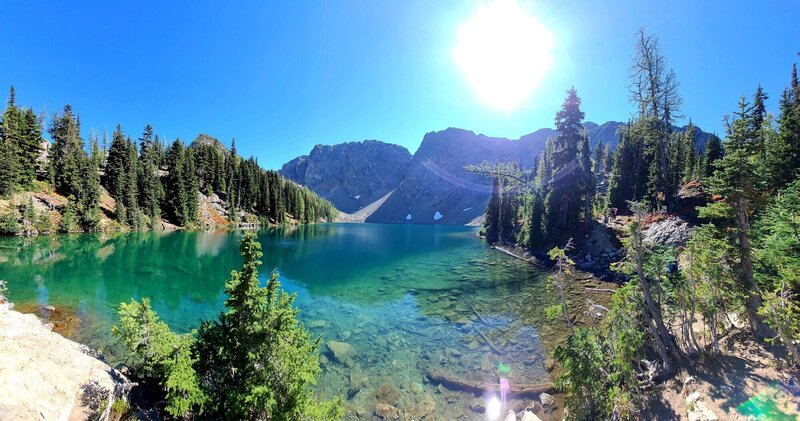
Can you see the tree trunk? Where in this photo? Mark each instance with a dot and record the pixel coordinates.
(760, 329)
(714, 338)
(667, 340)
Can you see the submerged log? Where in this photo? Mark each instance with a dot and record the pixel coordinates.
(457, 383)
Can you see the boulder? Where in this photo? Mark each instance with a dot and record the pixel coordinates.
(547, 401)
(511, 416)
(529, 416)
(44, 375)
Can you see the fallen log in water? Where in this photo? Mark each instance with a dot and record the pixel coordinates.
(454, 382)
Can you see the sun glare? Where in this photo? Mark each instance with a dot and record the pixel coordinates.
(503, 52)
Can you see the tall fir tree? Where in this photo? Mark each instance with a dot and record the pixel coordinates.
(29, 145)
(563, 202)
(67, 152)
(712, 154)
(492, 221)
(741, 186)
(586, 181)
(506, 219)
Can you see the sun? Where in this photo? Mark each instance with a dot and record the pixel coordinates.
(503, 52)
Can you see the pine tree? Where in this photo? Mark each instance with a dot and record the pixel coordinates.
(9, 156)
(29, 146)
(177, 192)
(777, 266)
(492, 220)
(131, 185)
(712, 155)
(690, 154)
(563, 202)
(66, 153)
(192, 186)
(88, 201)
(739, 184)
(256, 360)
(785, 162)
(116, 165)
(628, 178)
(506, 219)
(586, 182)
(654, 89)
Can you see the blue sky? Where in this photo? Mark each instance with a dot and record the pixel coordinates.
(283, 77)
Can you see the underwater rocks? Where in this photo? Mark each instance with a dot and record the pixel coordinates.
(387, 412)
(342, 351)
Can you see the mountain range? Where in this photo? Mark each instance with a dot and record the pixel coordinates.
(379, 182)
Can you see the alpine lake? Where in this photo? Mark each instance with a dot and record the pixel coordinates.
(397, 300)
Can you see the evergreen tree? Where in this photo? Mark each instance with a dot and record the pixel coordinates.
(67, 154)
(116, 165)
(177, 192)
(193, 187)
(785, 162)
(492, 220)
(777, 266)
(628, 178)
(29, 146)
(88, 201)
(256, 361)
(712, 155)
(10, 165)
(690, 154)
(654, 89)
(586, 182)
(506, 218)
(563, 202)
(739, 184)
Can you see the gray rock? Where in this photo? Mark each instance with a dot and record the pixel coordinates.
(547, 400)
(350, 175)
(529, 416)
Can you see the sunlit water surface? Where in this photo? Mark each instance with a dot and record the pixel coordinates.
(406, 297)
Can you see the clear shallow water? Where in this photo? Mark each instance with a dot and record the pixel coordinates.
(406, 297)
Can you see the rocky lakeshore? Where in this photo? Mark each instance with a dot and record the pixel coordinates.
(46, 376)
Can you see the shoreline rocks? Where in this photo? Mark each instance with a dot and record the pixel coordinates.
(44, 375)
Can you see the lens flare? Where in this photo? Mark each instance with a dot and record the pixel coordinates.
(493, 408)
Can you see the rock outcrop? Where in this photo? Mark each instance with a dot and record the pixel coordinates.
(44, 376)
(350, 175)
(673, 231)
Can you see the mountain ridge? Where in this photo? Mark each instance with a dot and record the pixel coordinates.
(431, 186)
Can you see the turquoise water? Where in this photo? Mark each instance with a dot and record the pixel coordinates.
(406, 297)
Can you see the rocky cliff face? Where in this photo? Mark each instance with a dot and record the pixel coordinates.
(437, 189)
(430, 188)
(350, 175)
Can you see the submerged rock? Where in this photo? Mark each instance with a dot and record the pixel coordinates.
(342, 352)
(387, 412)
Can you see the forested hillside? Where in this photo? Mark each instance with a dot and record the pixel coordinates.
(71, 185)
(741, 261)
